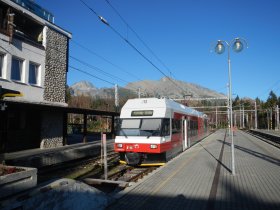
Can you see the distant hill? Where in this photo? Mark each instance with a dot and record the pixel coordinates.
(88, 89)
(149, 88)
(166, 88)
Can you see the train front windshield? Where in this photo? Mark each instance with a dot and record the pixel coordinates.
(144, 127)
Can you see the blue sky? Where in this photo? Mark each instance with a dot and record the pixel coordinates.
(181, 33)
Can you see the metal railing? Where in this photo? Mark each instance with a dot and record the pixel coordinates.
(36, 9)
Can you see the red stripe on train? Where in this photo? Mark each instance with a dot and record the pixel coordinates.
(144, 148)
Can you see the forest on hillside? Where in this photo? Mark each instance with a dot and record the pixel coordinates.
(244, 109)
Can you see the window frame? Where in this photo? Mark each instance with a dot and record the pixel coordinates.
(37, 73)
(21, 69)
(2, 61)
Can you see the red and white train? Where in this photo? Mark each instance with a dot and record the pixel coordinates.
(153, 130)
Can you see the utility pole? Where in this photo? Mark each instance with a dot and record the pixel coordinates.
(228, 112)
(116, 98)
(267, 111)
(216, 118)
(243, 117)
(247, 120)
(277, 115)
(234, 119)
(270, 118)
(256, 116)
(251, 120)
(240, 116)
(139, 92)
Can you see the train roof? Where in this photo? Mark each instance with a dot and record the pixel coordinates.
(157, 104)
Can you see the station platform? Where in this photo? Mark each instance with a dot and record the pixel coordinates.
(39, 158)
(201, 178)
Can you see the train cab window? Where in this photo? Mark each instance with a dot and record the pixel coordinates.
(151, 124)
(131, 123)
(144, 127)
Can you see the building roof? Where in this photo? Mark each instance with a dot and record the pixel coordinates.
(51, 107)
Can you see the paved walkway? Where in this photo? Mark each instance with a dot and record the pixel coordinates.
(200, 178)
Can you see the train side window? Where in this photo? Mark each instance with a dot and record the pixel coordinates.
(176, 126)
(165, 127)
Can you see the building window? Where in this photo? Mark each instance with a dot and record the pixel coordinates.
(33, 74)
(16, 73)
(4, 10)
(1, 65)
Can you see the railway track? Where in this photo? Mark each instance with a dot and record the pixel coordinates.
(91, 171)
(119, 177)
(74, 169)
(272, 139)
(131, 174)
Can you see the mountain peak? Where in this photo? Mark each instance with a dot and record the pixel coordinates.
(83, 84)
(166, 86)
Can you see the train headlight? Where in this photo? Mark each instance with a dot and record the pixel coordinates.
(119, 145)
(153, 146)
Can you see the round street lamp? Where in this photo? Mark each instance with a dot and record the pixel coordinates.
(237, 46)
(220, 48)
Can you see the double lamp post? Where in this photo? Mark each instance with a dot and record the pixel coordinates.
(237, 45)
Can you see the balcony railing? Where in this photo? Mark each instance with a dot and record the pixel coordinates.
(36, 9)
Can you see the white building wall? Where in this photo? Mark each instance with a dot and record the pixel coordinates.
(27, 53)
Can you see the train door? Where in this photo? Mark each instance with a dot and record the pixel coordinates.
(185, 134)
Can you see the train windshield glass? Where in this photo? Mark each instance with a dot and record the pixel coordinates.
(141, 127)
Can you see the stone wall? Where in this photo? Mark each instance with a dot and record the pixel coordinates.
(51, 130)
(54, 87)
(56, 66)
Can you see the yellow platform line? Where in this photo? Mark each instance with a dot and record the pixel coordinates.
(145, 164)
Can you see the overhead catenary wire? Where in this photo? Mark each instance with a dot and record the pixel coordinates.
(130, 44)
(89, 74)
(136, 34)
(111, 63)
(102, 71)
(98, 69)
(104, 59)
(96, 77)
(84, 63)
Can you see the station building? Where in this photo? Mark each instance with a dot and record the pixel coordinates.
(34, 61)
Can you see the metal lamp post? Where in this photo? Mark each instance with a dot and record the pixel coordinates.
(237, 45)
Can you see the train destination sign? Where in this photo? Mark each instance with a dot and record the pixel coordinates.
(142, 113)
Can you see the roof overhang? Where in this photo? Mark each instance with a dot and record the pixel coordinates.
(64, 109)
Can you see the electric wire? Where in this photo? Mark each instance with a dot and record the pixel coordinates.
(89, 74)
(111, 63)
(103, 72)
(130, 44)
(80, 61)
(141, 40)
(85, 72)
(104, 59)
(98, 69)
(94, 76)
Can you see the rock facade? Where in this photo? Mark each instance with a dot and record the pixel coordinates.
(51, 130)
(56, 66)
(55, 87)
